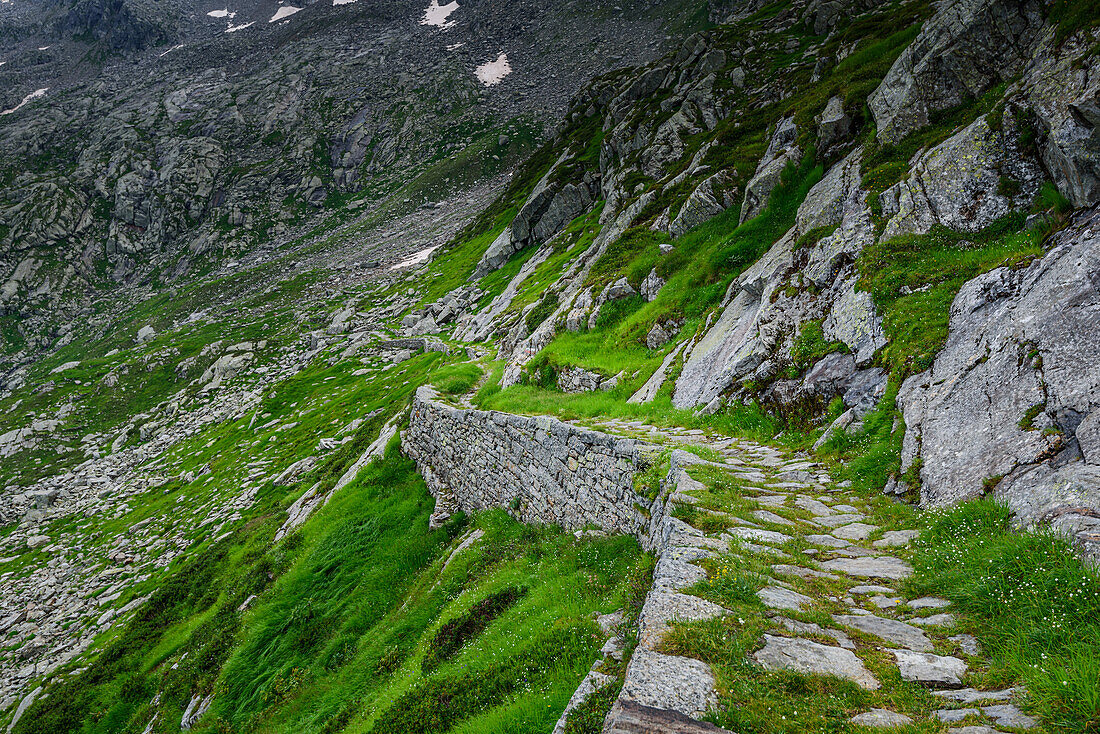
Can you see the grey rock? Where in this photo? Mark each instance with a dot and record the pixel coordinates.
(804, 656)
(709, 199)
(896, 538)
(652, 285)
(782, 150)
(1061, 87)
(881, 719)
(971, 695)
(1010, 716)
(621, 288)
(776, 597)
(890, 630)
(833, 124)
(855, 531)
(930, 670)
(885, 567)
(967, 47)
(957, 184)
(657, 337)
(1017, 339)
(670, 683)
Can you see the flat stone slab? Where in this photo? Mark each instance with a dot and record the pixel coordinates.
(881, 718)
(855, 531)
(885, 602)
(1009, 715)
(835, 521)
(972, 695)
(776, 597)
(936, 620)
(801, 572)
(829, 541)
(765, 516)
(673, 574)
(759, 536)
(896, 538)
(929, 602)
(628, 717)
(967, 643)
(815, 507)
(890, 630)
(870, 589)
(972, 730)
(669, 682)
(884, 567)
(954, 716)
(805, 656)
(662, 607)
(930, 670)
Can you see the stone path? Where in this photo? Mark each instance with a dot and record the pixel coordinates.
(826, 555)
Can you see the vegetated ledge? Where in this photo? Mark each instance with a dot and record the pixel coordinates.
(545, 471)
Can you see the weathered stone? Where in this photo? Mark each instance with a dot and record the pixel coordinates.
(967, 47)
(776, 597)
(890, 630)
(930, 670)
(804, 656)
(881, 719)
(885, 567)
(1020, 357)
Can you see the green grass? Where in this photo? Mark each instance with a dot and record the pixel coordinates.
(914, 279)
(1029, 599)
(456, 379)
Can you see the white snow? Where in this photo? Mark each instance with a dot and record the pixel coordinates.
(415, 259)
(43, 48)
(235, 28)
(284, 12)
(455, 46)
(336, 3)
(492, 72)
(437, 14)
(32, 96)
(222, 14)
(174, 48)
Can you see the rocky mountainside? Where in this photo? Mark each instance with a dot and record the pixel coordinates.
(575, 367)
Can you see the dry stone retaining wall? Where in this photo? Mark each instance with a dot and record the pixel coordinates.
(540, 469)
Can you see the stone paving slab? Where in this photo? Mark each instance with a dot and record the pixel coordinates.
(883, 567)
(806, 656)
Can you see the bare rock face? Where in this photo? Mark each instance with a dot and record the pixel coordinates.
(782, 150)
(1014, 397)
(968, 47)
(961, 183)
(710, 198)
(1062, 89)
(759, 317)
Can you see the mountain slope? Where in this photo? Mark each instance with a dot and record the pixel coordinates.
(862, 232)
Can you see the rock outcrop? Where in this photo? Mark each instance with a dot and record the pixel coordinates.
(1012, 403)
(966, 48)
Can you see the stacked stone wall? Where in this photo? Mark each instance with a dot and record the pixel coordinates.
(538, 468)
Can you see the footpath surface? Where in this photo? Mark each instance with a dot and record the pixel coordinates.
(827, 569)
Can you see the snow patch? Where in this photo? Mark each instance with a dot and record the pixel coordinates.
(415, 259)
(455, 46)
(222, 14)
(437, 14)
(30, 97)
(336, 3)
(235, 28)
(284, 12)
(174, 48)
(493, 72)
